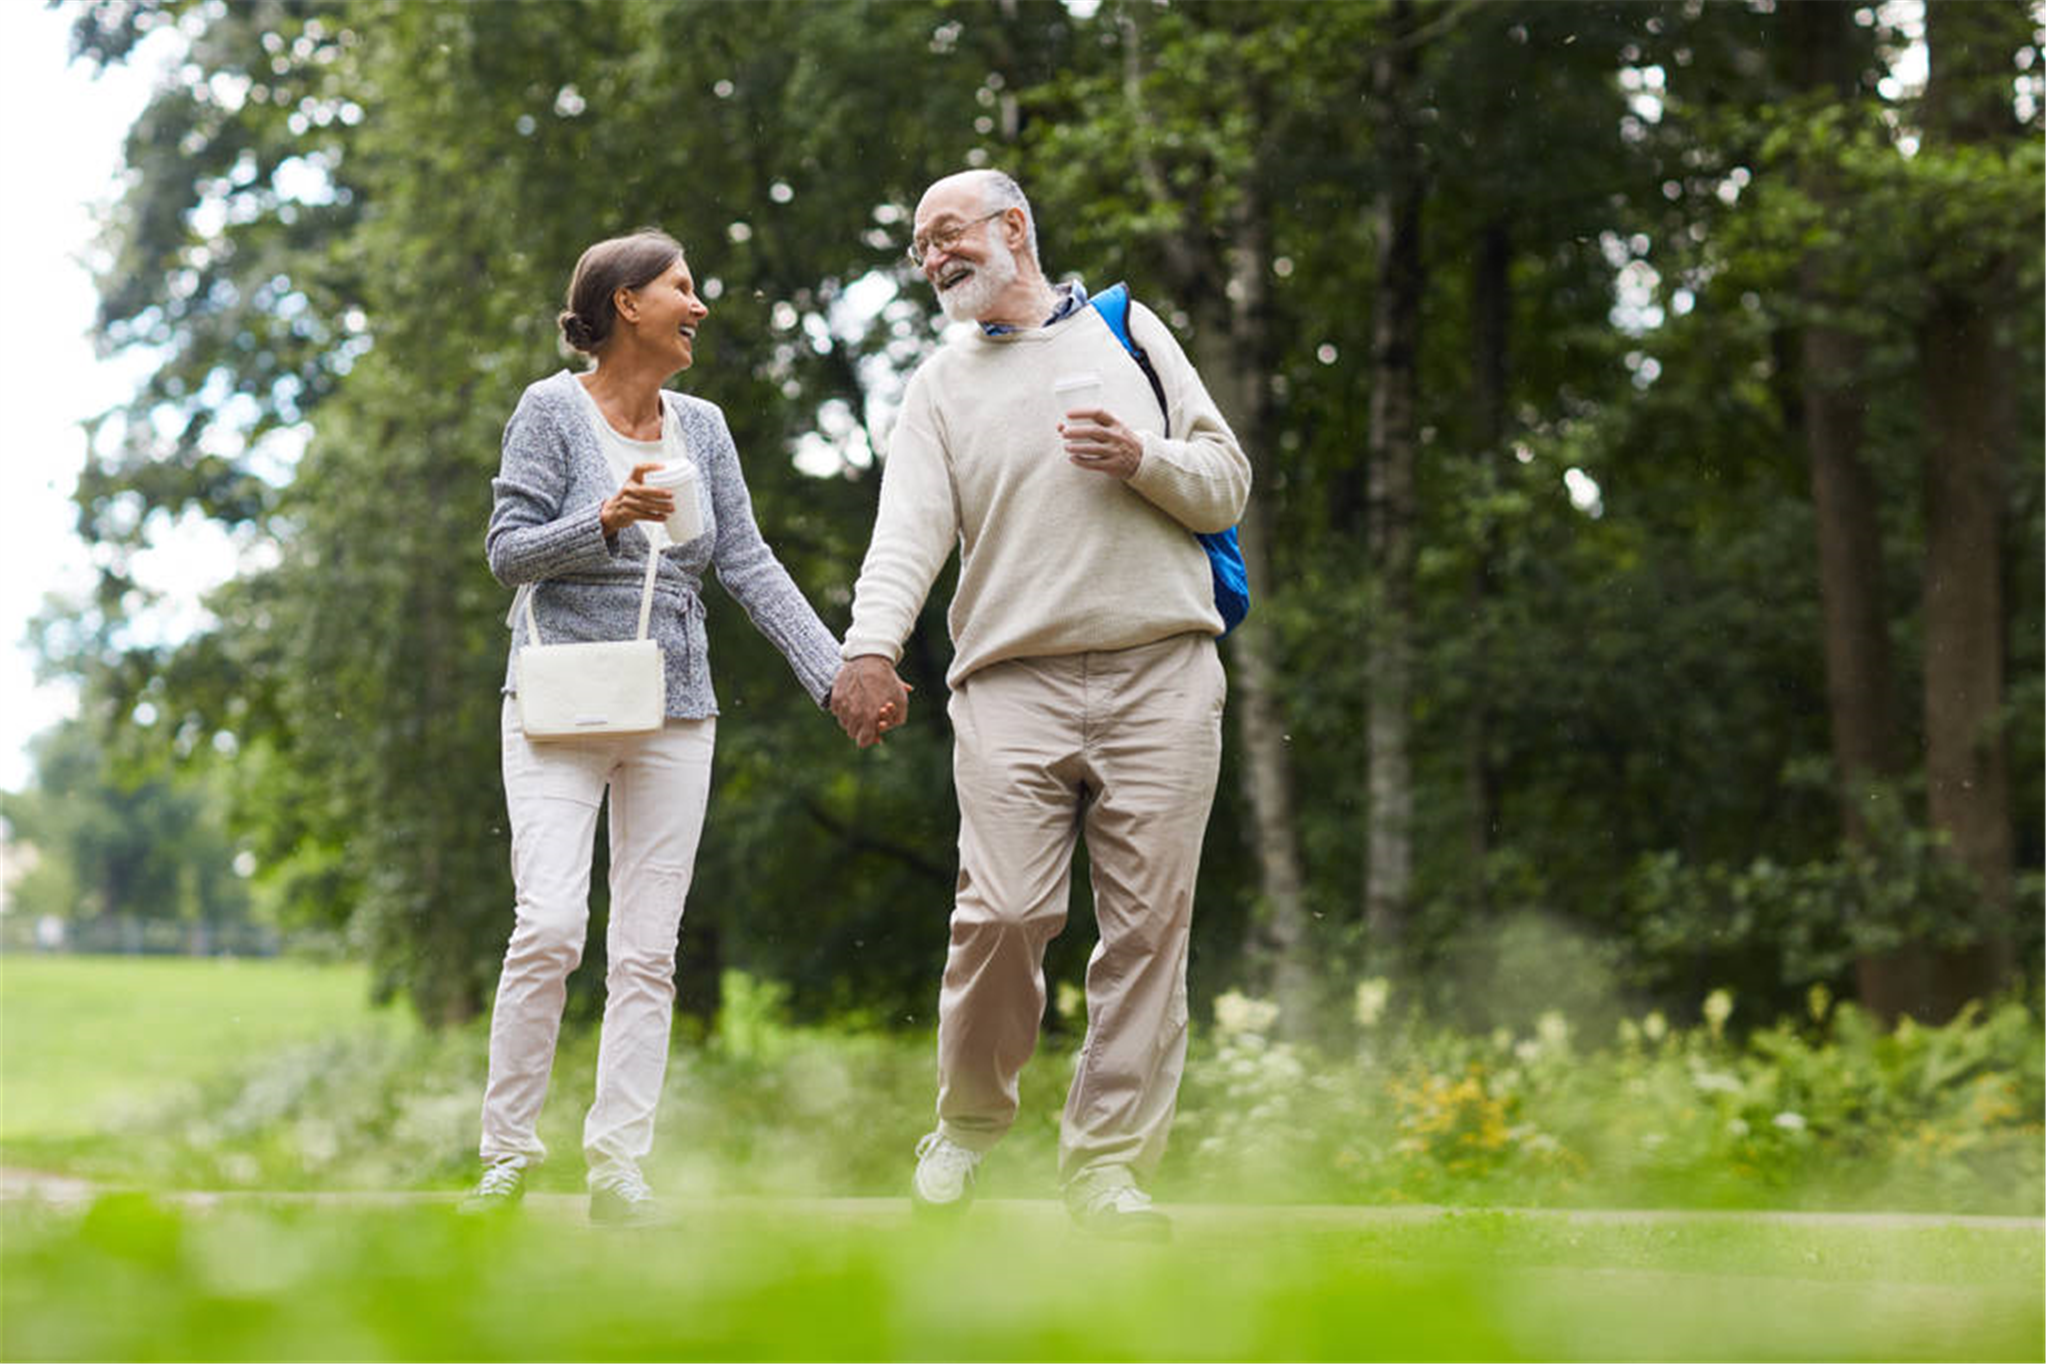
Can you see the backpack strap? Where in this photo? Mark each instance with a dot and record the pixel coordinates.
(1113, 303)
(1225, 557)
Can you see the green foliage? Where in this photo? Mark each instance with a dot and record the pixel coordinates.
(111, 843)
(784, 1148)
(1829, 1111)
(1899, 886)
(752, 1281)
(349, 220)
(1825, 1111)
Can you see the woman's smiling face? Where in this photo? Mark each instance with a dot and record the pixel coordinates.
(665, 312)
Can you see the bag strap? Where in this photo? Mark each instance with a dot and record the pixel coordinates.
(646, 597)
(1113, 303)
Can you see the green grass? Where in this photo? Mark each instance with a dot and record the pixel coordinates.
(86, 1042)
(737, 1280)
(163, 1075)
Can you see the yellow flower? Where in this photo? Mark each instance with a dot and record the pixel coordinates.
(1718, 1008)
(1817, 1001)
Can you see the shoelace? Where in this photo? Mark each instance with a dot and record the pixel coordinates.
(950, 1156)
(1124, 1199)
(501, 1178)
(629, 1185)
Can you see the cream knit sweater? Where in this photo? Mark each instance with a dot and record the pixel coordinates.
(1053, 559)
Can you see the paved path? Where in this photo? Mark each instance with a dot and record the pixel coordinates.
(1222, 1218)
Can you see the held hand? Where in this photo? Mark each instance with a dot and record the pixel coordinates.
(1095, 440)
(867, 698)
(636, 501)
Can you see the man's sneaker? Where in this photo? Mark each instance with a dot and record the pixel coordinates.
(944, 1174)
(1120, 1212)
(620, 1198)
(502, 1186)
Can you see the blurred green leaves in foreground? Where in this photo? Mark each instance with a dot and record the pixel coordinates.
(755, 1281)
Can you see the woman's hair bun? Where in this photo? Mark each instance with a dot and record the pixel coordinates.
(629, 262)
(576, 330)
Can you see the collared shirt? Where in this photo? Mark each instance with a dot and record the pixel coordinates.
(1072, 296)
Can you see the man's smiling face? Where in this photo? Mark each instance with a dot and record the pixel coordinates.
(970, 271)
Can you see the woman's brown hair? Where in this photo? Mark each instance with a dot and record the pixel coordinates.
(629, 262)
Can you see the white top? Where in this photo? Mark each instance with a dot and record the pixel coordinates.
(622, 453)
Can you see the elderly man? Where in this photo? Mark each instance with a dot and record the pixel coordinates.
(1086, 692)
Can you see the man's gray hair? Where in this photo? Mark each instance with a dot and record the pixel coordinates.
(1000, 191)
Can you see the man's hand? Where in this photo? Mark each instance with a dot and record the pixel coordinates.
(868, 698)
(1096, 440)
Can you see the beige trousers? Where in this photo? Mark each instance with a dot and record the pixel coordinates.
(659, 785)
(1122, 746)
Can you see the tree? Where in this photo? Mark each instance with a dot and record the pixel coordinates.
(114, 849)
(1970, 391)
(1539, 490)
(375, 645)
(1390, 456)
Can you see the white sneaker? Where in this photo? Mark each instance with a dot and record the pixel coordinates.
(944, 1174)
(620, 1197)
(1121, 1212)
(502, 1186)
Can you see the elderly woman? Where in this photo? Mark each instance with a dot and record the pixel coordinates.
(574, 521)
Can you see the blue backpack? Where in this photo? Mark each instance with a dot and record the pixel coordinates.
(1225, 558)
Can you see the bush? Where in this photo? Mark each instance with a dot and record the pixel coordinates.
(1825, 1111)
(1829, 1111)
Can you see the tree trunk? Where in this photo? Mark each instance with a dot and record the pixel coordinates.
(1278, 946)
(1969, 373)
(1491, 321)
(1231, 349)
(1866, 740)
(1395, 354)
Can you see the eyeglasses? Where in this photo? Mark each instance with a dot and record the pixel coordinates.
(945, 238)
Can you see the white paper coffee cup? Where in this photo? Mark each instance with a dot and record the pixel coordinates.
(684, 523)
(1076, 392)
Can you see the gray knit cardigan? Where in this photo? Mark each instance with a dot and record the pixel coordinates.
(545, 538)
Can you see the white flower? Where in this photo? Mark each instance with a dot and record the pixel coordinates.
(1655, 1027)
(1716, 1082)
(1238, 1013)
(1371, 997)
(1553, 1029)
(1789, 1122)
(1738, 1127)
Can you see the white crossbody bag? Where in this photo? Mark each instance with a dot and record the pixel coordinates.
(605, 687)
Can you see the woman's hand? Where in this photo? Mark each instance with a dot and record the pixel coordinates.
(636, 501)
(868, 699)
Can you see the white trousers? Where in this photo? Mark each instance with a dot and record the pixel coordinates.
(659, 784)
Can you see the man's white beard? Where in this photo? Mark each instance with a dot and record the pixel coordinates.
(966, 301)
